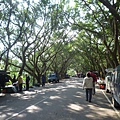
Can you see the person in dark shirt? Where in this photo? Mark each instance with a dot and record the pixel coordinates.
(43, 80)
(27, 81)
(94, 81)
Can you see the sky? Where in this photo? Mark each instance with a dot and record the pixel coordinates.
(53, 1)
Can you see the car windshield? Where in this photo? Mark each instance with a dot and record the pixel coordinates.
(52, 75)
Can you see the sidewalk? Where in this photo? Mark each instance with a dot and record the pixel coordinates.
(102, 104)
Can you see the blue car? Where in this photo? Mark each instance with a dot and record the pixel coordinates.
(53, 78)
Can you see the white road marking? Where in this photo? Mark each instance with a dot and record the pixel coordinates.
(116, 111)
(16, 114)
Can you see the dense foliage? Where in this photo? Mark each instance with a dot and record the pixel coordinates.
(48, 36)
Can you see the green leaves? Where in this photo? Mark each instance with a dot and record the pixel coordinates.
(59, 35)
(0, 15)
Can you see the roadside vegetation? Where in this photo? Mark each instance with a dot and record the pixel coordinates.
(48, 36)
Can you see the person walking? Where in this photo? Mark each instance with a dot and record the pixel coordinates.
(27, 81)
(43, 80)
(88, 85)
(94, 81)
(20, 82)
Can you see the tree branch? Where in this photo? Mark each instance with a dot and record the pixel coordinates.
(111, 9)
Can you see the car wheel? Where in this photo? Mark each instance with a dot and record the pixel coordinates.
(107, 91)
(115, 103)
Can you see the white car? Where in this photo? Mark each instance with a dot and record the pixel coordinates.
(108, 82)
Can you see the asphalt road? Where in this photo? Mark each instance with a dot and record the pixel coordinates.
(59, 101)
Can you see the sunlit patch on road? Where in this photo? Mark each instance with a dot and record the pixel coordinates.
(55, 97)
(33, 109)
(75, 107)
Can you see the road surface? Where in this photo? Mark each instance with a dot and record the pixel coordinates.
(57, 101)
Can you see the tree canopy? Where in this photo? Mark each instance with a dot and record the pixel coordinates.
(55, 36)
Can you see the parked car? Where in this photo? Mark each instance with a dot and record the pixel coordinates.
(108, 82)
(67, 76)
(115, 87)
(53, 78)
(4, 77)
